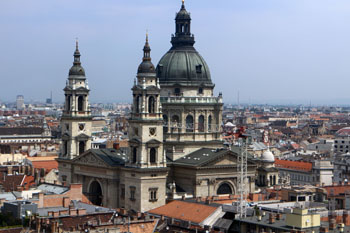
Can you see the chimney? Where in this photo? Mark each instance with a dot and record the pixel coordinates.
(332, 224)
(72, 212)
(323, 229)
(81, 212)
(346, 217)
(41, 200)
(183, 197)
(66, 202)
(271, 218)
(116, 145)
(9, 170)
(278, 216)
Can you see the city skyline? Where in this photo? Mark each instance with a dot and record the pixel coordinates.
(262, 50)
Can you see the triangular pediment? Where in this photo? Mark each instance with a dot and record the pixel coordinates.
(88, 158)
(228, 158)
(134, 140)
(65, 136)
(226, 161)
(82, 137)
(153, 141)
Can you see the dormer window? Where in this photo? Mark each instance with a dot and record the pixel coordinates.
(199, 69)
(177, 91)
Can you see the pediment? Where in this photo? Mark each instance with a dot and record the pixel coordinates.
(89, 158)
(82, 137)
(134, 141)
(153, 141)
(65, 136)
(227, 159)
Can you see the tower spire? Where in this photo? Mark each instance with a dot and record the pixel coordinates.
(76, 53)
(146, 50)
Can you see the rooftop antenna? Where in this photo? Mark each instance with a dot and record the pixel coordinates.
(238, 100)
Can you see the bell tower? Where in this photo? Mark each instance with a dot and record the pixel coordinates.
(144, 181)
(76, 117)
(146, 122)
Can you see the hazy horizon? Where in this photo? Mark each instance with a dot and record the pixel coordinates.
(274, 51)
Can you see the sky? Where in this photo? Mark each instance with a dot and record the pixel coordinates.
(268, 51)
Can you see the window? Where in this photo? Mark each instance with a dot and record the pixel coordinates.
(175, 122)
(152, 155)
(151, 104)
(189, 123)
(68, 103)
(81, 147)
(137, 104)
(199, 69)
(122, 192)
(64, 178)
(134, 155)
(165, 123)
(80, 103)
(132, 193)
(209, 123)
(153, 194)
(65, 148)
(201, 123)
(177, 91)
(200, 90)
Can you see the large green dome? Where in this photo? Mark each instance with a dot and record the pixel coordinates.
(182, 64)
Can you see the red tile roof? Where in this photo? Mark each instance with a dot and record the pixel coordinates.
(186, 211)
(48, 165)
(27, 182)
(294, 165)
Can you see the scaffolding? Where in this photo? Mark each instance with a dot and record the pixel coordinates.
(242, 179)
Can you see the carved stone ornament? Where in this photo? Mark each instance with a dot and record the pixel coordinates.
(152, 131)
(90, 159)
(212, 181)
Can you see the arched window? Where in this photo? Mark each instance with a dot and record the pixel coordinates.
(165, 123)
(137, 104)
(151, 104)
(152, 155)
(175, 120)
(209, 123)
(134, 155)
(201, 123)
(80, 103)
(177, 91)
(189, 123)
(81, 147)
(95, 193)
(68, 103)
(224, 188)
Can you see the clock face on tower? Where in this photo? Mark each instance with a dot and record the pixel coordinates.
(81, 126)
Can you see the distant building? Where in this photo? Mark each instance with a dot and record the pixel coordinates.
(342, 140)
(20, 102)
(318, 172)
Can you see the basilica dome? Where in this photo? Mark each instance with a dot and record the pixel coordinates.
(182, 64)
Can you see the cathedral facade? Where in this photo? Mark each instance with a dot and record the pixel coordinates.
(175, 140)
